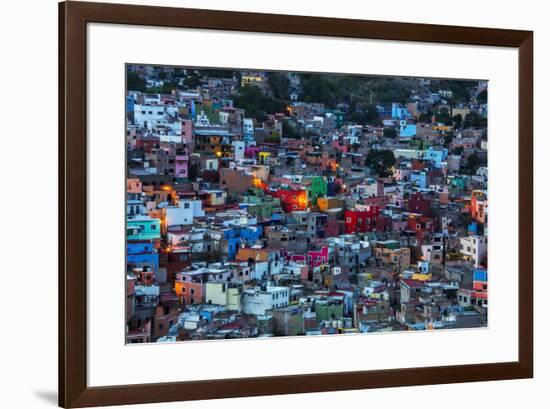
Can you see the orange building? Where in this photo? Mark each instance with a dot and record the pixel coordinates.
(190, 288)
(245, 254)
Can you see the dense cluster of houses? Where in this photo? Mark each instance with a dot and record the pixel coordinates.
(237, 227)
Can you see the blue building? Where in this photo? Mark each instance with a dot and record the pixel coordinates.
(142, 253)
(399, 112)
(438, 156)
(130, 104)
(480, 275)
(419, 178)
(407, 130)
(236, 236)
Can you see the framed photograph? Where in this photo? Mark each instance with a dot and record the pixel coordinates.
(255, 204)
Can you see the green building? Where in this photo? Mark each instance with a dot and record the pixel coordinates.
(261, 205)
(317, 188)
(143, 228)
(327, 310)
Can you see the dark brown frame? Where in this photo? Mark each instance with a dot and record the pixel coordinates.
(73, 389)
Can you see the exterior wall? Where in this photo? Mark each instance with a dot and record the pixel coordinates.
(146, 115)
(257, 302)
(182, 166)
(143, 229)
(474, 248)
(216, 293)
(292, 200)
(361, 221)
(179, 215)
(134, 186)
(235, 180)
(189, 292)
(187, 131)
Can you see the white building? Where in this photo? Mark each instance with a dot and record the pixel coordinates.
(184, 213)
(474, 248)
(147, 116)
(238, 150)
(257, 301)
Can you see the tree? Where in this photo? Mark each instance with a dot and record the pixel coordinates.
(425, 117)
(474, 120)
(318, 88)
(443, 116)
(289, 131)
(279, 84)
(448, 139)
(191, 82)
(134, 82)
(458, 150)
(457, 121)
(472, 163)
(482, 97)
(380, 161)
(256, 104)
(390, 133)
(364, 115)
(273, 137)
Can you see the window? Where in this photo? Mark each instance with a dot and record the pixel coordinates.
(192, 291)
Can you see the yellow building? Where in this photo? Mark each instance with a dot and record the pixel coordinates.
(250, 80)
(400, 257)
(421, 276)
(328, 203)
(445, 128)
(219, 293)
(263, 156)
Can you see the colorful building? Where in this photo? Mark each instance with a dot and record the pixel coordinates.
(361, 221)
(291, 200)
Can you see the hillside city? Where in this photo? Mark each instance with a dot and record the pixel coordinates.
(262, 203)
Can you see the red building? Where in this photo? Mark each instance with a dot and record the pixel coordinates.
(291, 200)
(361, 220)
(317, 257)
(419, 204)
(421, 226)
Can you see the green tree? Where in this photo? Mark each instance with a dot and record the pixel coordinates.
(448, 139)
(380, 161)
(443, 116)
(425, 117)
(256, 104)
(390, 133)
(134, 82)
(273, 137)
(318, 88)
(289, 131)
(482, 97)
(191, 82)
(279, 84)
(472, 163)
(457, 121)
(364, 115)
(474, 120)
(458, 150)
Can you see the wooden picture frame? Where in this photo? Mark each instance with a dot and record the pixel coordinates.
(73, 388)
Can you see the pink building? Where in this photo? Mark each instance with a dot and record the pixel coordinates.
(251, 151)
(317, 257)
(182, 166)
(187, 131)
